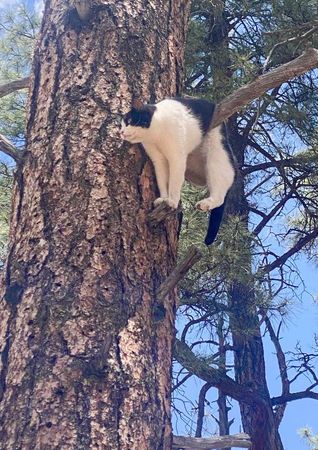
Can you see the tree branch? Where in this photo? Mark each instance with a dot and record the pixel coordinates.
(193, 256)
(293, 396)
(8, 88)
(9, 149)
(180, 383)
(289, 162)
(236, 440)
(271, 214)
(201, 408)
(296, 248)
(288, 41)
(215, 377)
(234, 102)
(161, 212)
(279, 413)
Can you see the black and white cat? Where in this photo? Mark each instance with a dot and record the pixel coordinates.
(177, 137)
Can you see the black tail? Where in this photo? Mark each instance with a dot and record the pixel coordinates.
(215, 221)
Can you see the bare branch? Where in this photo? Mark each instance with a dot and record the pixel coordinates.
(302, 242)
(236, 440)
(288, 41)
(193, 256)
(294, 396)
(9, 149)
(234, 102)
(161, 212)
(201, 408)
(279, 413)
(288, 162)
(8, 88)
(193, 322)
(181, 382)
(270, 215)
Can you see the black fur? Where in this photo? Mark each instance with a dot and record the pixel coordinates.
(201, 109)
(215, 221)
(140, 117)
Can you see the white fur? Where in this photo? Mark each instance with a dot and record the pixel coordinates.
(179, 151)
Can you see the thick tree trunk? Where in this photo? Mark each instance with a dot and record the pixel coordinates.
(258, 420)
(86, 358)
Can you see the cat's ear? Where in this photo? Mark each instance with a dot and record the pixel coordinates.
(136, 103)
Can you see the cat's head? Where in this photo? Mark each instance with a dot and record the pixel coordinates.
(136, 123)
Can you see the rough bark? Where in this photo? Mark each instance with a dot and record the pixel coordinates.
(84, 362)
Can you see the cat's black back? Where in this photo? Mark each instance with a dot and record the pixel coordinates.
(203, 110)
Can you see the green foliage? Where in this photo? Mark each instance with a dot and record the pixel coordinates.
(18, 28)
(5, 201)
(229, 43)
(12, 117)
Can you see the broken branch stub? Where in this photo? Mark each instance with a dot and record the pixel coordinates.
(83, 8)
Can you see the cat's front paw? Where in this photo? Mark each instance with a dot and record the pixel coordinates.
(206, 204)
(166, 200)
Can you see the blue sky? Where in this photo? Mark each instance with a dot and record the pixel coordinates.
(37, 4)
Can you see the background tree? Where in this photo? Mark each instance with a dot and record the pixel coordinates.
(250, 273)
(19, 25)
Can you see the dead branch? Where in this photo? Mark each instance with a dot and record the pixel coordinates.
(301, 243)
(294, 396)
(9, 149)
(193, 256)
(161, 212)
(8, 88)
(272, 213)
(236, 440)
(181, 382)
(234, 102)
(302, 37)
(288, 162)
(201, 408)
(280, 410)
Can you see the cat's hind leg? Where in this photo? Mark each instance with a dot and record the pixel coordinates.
(219, 171)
